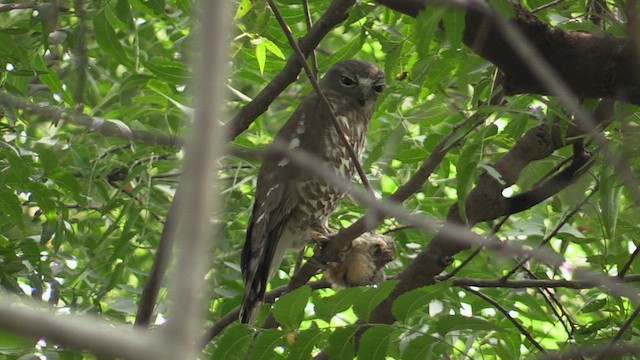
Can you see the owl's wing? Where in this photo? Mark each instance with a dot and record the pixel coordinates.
(276, 197)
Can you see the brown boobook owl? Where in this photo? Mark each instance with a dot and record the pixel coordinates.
(291, 204)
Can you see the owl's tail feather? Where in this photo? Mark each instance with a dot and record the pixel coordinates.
(249, 308)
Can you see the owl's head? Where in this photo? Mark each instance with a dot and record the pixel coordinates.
(357, 80)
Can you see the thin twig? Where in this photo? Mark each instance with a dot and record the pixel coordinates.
(309, 22)
(504, 312)
(547, 5)
(22, 316)
(625, 268)
(321, 95)
(555, 230)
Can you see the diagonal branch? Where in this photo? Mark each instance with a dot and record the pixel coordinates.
(504, 312)
(335, 14)
(316, 87)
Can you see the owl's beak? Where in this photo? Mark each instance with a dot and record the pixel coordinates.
(363, 95)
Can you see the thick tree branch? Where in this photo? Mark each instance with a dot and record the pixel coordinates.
(335, 14)
(484, 202)
(592, 65)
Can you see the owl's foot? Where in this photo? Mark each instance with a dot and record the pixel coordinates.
(320, 239)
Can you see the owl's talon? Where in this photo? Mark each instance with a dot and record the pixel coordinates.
(320, 239)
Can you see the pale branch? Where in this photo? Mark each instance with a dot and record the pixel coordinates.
(22, 316)
(314, 82)
(102, 126)
(196, 194)
(505, 312)
(334, 15)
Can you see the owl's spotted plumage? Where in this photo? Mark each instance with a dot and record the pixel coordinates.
(290, 203)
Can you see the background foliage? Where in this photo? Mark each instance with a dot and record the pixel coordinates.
(81, 211)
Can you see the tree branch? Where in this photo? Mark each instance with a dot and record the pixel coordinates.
(107, 128)
(196, 200)
(321, 95)
(538, 283)
(335, 14)
(504, 312)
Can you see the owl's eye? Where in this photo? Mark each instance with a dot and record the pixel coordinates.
(379, 88)
(347, 81)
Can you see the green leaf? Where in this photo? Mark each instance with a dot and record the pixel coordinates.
(327, 307)
(417, 300)
(261, 55)
(123, 12)
(234, 343)
(70, 183)
(371, 298)
(426, 26)
(305, 342)
(10, 343)
(51, 79)
(243, 9)
(454, 23)
(341, 346)
(172, 71)
(593, 305)
(45, 199)
(419, 348)
(273, 48)
(264, 346)
(448, 323)
(503, 8)
(609, 196)
(108, 40)
(289, 309)
(11, 207)
(375, 342)
(466, 169)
